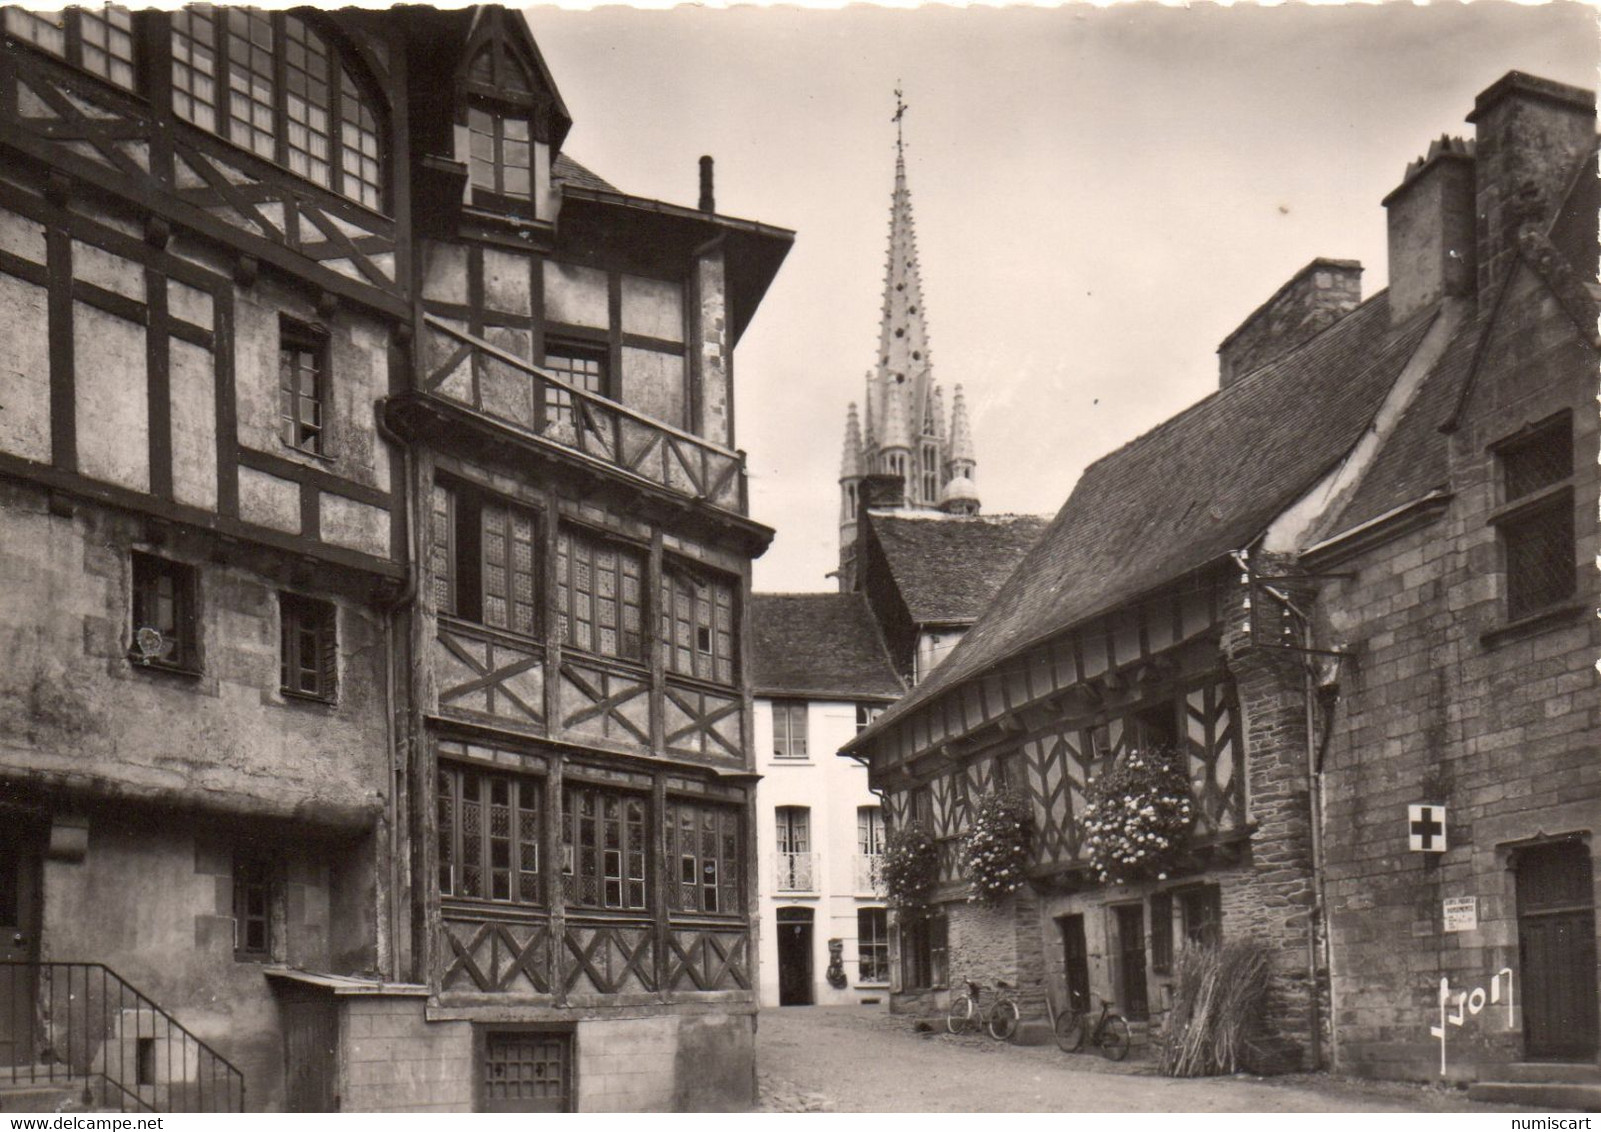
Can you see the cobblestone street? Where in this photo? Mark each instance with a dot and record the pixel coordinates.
(859, 1059)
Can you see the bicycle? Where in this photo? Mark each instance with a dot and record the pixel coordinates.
(1000, 1017)
(1110, 1032)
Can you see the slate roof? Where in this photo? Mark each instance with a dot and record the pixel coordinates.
(564, 170)
(949, 567)
(1183, 495)
(826, 646)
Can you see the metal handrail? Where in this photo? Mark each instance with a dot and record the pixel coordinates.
(82, 1023)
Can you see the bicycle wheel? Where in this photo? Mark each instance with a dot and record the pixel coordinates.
(962, 1015)
(1070, 1030)
(1114, 1039)
(1004, 1018)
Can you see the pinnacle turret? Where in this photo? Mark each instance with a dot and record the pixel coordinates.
(850, 465)
(961, 435)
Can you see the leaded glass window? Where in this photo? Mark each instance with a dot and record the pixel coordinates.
(488, 835)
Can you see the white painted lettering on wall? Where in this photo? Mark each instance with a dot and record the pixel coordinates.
(1468, 1004)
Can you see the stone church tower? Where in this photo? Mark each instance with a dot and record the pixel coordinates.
(902, 429)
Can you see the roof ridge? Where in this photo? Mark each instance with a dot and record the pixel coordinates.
(1241, 382)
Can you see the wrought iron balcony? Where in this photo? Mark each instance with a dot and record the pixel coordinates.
(541, 407)
(870, 874)
(82, 1027)
(795, 872)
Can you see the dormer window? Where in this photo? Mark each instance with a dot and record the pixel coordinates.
(100, 40)
(275, 85)
(505, 152)
(500, 159)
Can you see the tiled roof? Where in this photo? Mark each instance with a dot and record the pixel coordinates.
(948, 567)
(1186, 493)
(826, 646)
(564, 170)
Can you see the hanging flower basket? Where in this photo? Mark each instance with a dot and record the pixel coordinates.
(911, 868)
(995, 847)
(1137, 815)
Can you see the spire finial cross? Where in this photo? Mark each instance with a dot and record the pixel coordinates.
(900, 112)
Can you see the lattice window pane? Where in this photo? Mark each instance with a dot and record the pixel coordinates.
(45, 30)
(1544, 459)
(107, 43)
(358, 137)
(1539, 559)
(250, 80)
(194, 66)
(307, 100)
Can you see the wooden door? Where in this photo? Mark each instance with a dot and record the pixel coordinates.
(526, 1071)
(1075, 961)
(794, 957)
(19, 940)
(1556, 945)
(1131, 961)
(311, 1051)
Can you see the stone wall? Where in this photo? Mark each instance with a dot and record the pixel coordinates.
(1449, 704)
(394, 1060)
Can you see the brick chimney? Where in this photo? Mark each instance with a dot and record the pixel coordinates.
(1431, 228)
(1321, 293)
(1530, 134)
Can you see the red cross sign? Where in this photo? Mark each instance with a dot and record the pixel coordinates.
(1426, 825)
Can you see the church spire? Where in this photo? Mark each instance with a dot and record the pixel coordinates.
(903, 355)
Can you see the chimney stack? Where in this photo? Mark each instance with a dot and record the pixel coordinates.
(707, 202)
(1318, 295)
(882, 489)
(1530, 135)
(1431, 229)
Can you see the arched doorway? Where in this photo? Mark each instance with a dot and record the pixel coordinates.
(794, 957)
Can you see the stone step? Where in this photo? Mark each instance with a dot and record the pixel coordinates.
(1565, 1096)
(1033, 1032)
(1549, 1072)
(61, 1097)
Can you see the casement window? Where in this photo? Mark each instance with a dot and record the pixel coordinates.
(500, 158)
(604, 846)
(865, 714)
(501, 147)
(488, 829)
(582, 366)
(302, 386)
(794, 872)
(273, 84)
(869, 830)
(253, 891)
(1161, 932)
(1201, 910)
(697, 623)
(165, 633)
(599, 592)
(1535, 522)
(924, 947)
(789, 729)
(100, 40)
(485, 559)
(308, 647)
(872, 945)
(525, 1070)
(703, 854)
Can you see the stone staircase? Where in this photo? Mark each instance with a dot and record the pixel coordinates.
(1544, 1084)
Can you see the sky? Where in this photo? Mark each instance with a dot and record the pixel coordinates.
(1101, 195)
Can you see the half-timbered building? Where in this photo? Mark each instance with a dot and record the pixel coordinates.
(1197, 590)
(376, 556)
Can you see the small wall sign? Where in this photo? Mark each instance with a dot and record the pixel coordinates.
(1426, 827)
(1461, 913)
